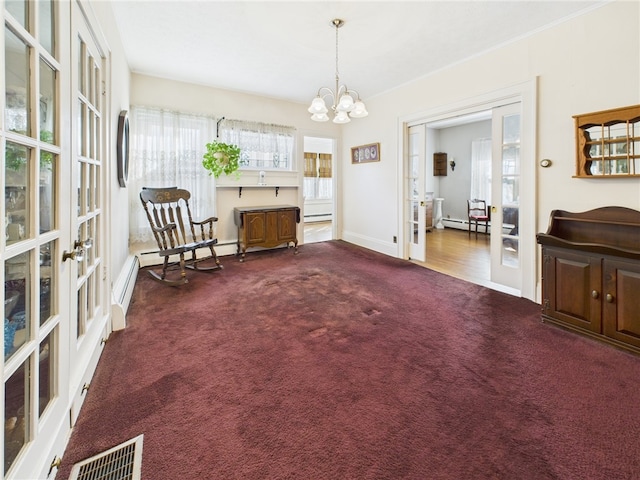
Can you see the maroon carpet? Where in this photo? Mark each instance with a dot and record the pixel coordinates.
(340, 363)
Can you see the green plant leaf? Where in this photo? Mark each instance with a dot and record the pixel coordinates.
(221, 158)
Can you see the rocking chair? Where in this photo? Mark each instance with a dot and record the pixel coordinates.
(165, 208)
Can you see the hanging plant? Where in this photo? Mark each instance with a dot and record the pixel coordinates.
(221, 158)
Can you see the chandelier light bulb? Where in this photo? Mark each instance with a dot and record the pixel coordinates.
(341, 117)
(345, 103)
(318, 106)
(320, 117)
(359, 110)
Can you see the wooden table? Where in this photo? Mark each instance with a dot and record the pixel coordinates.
(266, 227)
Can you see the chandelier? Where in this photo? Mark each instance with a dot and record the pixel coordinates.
(345, 103)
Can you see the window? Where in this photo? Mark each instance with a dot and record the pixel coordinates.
(166, 150)
(264, 146)
(318, 182)
(481, 169)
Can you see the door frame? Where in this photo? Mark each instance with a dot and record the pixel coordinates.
(526, 94)
(335, 169)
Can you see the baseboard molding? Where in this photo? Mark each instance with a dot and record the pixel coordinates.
(122, 291)
(388, 248)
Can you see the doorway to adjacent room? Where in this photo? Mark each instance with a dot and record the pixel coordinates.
(319, 189)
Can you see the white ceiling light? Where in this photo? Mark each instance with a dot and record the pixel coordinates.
(345, 103)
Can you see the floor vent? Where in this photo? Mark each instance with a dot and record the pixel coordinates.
(122, 462)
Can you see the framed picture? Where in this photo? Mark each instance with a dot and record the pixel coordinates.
(365, 153)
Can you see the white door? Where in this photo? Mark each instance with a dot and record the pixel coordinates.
(506, 264)
(51, 135)
(88, 296)
(415, 201)
(34, 397)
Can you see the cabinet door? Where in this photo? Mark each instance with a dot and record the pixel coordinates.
(287, 225)
(621, 301)
(573, 287)
(255, 228)
(271, 229)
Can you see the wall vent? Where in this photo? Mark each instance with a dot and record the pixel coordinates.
(122, 462)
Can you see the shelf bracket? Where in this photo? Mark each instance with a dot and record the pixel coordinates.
(277, 189)
(239, 192)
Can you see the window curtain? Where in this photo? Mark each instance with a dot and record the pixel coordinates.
(481, 169)
(318, 184)
(166, 150)
(263, 145)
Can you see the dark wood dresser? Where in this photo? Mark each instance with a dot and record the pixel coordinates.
(591, 273)
(266, 227)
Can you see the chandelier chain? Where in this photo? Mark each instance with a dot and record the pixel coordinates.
(337, 25)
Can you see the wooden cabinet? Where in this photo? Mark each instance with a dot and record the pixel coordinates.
(608, 143)
(429, 214)
(440, 164)
(591, 273)
(266, 227)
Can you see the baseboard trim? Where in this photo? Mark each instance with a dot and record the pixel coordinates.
(122, 292)
(388, 248)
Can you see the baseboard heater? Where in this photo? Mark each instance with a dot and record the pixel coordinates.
(123, 290)
(456, 223)
(318, 217)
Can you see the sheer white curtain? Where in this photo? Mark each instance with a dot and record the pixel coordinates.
(481, 169)
(263, 145)
(166, 150)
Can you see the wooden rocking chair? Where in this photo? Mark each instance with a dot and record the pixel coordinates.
(165, 209)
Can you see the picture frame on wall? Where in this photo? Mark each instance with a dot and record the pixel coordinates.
(365, 153)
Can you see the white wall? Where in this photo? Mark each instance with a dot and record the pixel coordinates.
(191, 98)
(455, 187)
(118, 223)
(573, 77)
(562, 60)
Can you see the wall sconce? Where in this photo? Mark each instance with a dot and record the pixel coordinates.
(452, 164)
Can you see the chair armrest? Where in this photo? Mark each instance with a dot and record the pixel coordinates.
(167, 227)
(203, 222)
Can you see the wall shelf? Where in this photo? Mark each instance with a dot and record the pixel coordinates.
(608, 143)
(276, 188)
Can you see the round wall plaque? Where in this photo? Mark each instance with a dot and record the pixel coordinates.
(122, 150)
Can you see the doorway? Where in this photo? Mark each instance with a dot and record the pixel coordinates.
(521, 276)
(319, 189)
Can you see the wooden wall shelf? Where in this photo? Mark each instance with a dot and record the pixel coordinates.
(608, 143)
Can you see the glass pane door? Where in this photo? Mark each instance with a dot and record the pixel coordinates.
(31, 138)
(415, 193)
(505, 213)
(88, 163)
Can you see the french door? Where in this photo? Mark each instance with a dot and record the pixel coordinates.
(415, 199)
(506, 264)
(51, 135)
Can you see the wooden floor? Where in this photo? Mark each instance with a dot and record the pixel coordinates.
(455, 253)
(317, 232)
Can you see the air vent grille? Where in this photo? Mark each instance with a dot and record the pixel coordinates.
(122, 462)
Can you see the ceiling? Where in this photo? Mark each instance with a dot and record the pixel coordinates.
(286, 50)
